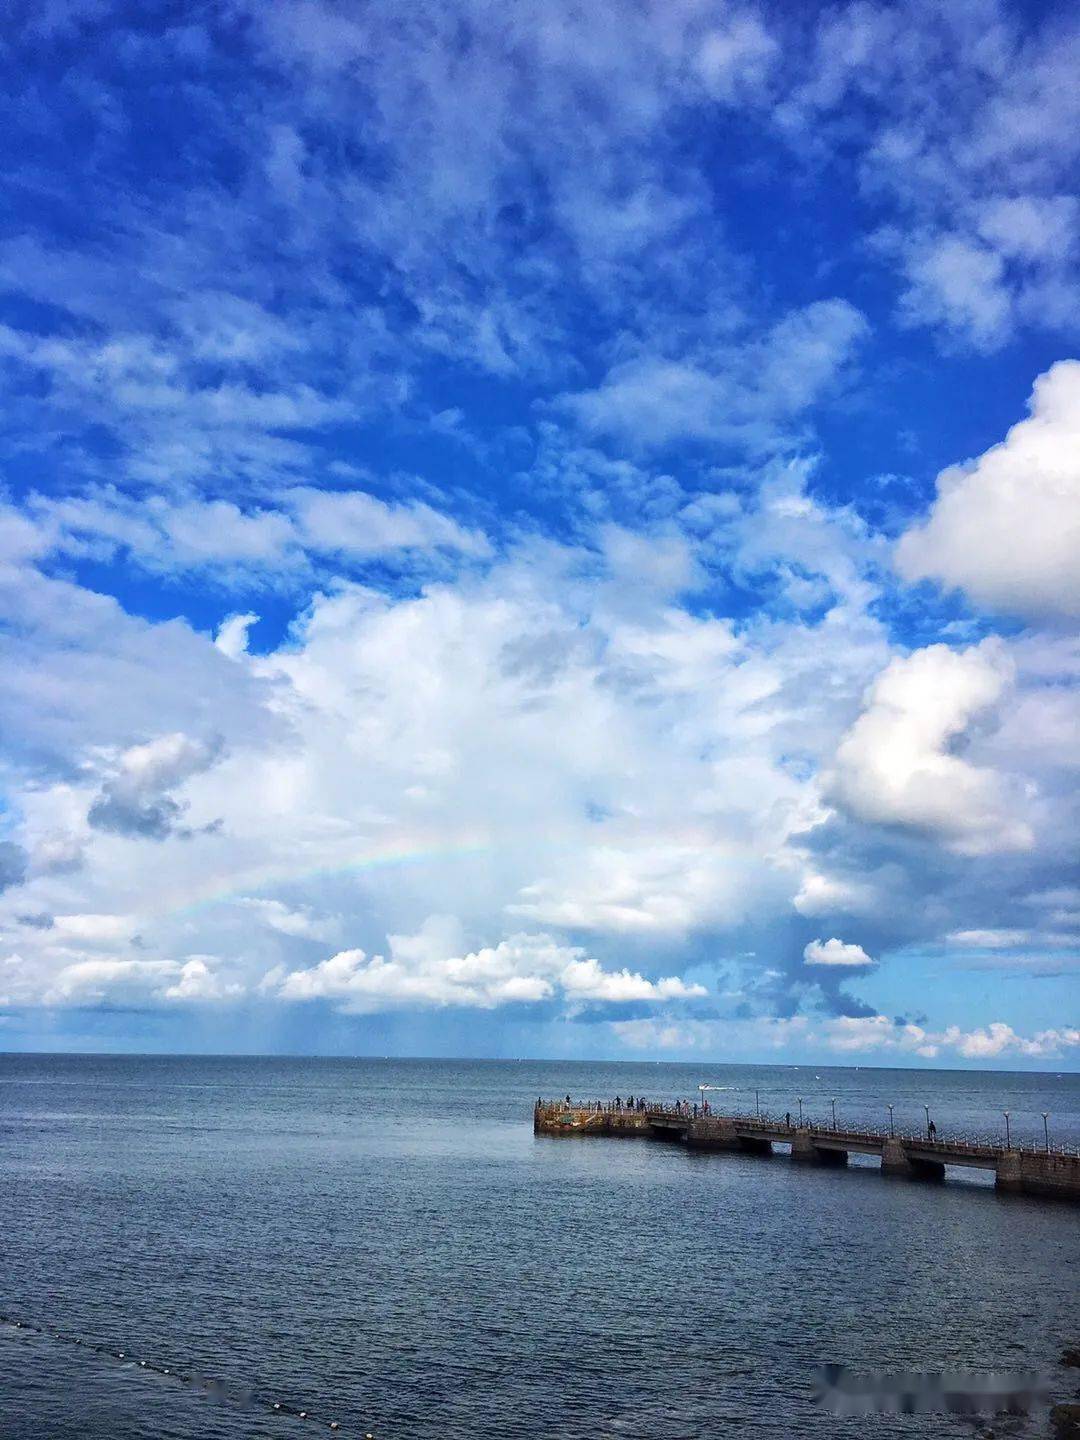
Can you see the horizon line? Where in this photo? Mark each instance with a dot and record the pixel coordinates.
(519, 1060)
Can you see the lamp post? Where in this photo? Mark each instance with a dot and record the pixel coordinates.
(927, 1109)
(1008, 1137)
(800, 1112)
(834, 1113)
(1046, 1129)
(892, 1130)
(757, 1103)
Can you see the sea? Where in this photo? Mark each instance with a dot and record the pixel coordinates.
(385, 1246)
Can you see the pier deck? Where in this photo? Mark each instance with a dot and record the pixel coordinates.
(1045, 1172)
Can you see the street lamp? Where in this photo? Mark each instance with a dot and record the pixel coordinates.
(757, 1103)
(927, 1109)
(800, 1112)
(1008, 1139)
(1046, 1129)
(834, 1113)
(892, 1131)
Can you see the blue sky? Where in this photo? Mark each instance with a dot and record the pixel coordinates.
(541, 531)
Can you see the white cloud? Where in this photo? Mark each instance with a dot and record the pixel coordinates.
(988, 939)
(299, 528)
(734, 61)
(299, 923)
(959, 284)
(88, 981)
(1006, 528)
(1030, 227)
(94, 929)
(196, 981)
(353, 522)
(550, 743)
(94, 980)
(992, 1041)
(964, 140)
(641, 888)
(847, 1036)
(743, 395)
(826, 895)
(897, 764)
(835, 952)
(586, 979)
(232, 635)
(520, 969)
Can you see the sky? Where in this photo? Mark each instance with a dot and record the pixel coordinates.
(542, 530)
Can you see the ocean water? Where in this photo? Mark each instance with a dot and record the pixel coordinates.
(387, 1245)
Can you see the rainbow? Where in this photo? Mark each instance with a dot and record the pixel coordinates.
(400, 853)
(426, 849)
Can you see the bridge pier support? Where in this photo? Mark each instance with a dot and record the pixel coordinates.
(894, 1160)
(712, 1132)
(802, 1147)
(1008, 1174)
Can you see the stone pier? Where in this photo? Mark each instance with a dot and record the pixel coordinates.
(1044, 1173)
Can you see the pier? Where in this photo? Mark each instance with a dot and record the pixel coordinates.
(1046, 1172)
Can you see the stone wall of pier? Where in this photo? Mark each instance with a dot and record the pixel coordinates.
(1036, 1173)
(557, 1120)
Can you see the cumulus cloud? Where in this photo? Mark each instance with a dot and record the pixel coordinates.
(640, 889)
(111, 979)
(996, 1039)
(381, 761)
(521, 968)
(835, 952)
(137, 799)
(661, 710)
(898, 764)
(1006, 527)
(848, 1035)
(232, 635)
(197, 981)
(96, 980)
(94, 929)
(825, 895)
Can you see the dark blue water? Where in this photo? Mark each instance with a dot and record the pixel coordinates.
(387, 1244)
